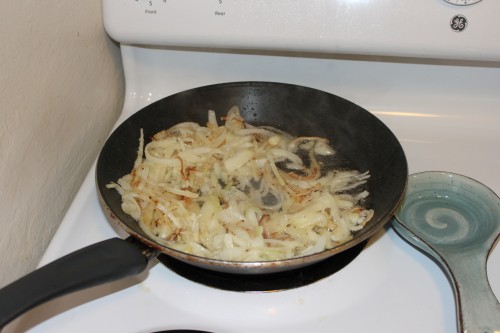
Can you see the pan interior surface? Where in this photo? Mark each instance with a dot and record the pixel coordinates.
(361, 142)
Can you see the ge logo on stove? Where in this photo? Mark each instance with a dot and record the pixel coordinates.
(458, 23)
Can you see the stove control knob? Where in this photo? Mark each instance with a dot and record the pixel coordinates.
(462, 2)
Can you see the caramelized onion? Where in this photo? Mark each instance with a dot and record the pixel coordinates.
(243, 193)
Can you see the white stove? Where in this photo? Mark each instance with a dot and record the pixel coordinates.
(429, 70)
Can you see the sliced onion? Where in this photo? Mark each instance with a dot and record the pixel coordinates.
(239, 159)
(219, 192)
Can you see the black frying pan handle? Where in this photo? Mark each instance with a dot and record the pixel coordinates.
(96, 264)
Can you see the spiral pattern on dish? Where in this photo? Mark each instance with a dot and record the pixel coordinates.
(449, 210)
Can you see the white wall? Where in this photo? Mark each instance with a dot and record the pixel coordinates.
(61, 89)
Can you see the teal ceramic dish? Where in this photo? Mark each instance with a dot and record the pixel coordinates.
(456, 221)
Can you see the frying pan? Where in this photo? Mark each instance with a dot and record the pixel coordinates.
(360, 139)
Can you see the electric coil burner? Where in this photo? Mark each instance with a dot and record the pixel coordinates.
(264, 282)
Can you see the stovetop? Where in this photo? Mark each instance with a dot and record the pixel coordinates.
(387, 287)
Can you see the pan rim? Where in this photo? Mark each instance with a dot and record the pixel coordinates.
(271, 265)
